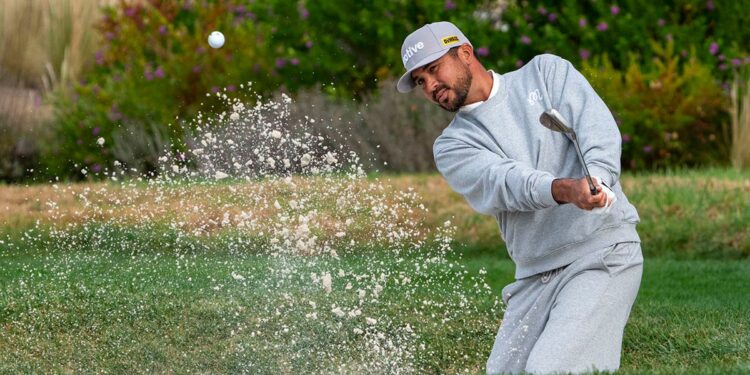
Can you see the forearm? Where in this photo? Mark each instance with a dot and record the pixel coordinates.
(561, 190)
(491, 183)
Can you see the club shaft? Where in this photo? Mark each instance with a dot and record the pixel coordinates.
(585, 168)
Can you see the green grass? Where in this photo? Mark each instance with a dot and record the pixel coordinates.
(133, 300)
(108, 297)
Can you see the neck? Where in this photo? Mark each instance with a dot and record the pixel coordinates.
(481, 86)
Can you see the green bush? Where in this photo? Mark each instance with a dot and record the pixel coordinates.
(579, 30)
(671, 114)
(155, 64)
(154, 67)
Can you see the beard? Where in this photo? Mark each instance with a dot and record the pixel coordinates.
(460, 88)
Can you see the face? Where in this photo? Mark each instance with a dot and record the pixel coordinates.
(445, 81)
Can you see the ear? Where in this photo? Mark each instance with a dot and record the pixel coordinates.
(466, 53)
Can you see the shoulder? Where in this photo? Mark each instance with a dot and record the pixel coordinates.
(455, 131)
(546, 60)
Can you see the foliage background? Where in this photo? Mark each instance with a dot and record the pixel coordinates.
(665, 70)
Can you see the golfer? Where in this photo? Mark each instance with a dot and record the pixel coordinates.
(577, 254)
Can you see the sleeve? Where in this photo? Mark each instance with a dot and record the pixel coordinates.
(490, 182)
(598, 136)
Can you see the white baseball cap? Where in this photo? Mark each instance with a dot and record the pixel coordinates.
(427, 44)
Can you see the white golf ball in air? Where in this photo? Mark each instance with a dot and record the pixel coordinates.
(216, 39)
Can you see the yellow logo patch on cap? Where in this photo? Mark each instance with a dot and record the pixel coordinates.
(448, 40)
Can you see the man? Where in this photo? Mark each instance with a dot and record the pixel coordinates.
(578, 257)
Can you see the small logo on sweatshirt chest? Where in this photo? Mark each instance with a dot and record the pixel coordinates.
(534, 97)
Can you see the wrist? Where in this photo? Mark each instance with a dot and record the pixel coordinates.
(561, 190)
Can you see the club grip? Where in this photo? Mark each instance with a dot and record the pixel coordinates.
(592, 188)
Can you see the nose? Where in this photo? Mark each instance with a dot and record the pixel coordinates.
(430, 85)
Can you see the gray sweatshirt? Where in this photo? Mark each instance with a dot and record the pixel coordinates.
(503, 161)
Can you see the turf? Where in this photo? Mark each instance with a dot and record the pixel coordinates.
(137, 308)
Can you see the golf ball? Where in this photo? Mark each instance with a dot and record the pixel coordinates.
(216, 39)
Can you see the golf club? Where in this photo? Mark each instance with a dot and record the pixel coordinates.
(553, 120)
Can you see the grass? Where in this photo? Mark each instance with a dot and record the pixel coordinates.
(59, 52)
(690, 214)
(130, 297)
(739, 110)
(175, 308)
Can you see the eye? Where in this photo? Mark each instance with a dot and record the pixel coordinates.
(433, 68)
(420, 81)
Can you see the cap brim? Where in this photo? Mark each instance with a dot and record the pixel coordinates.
(405, 83)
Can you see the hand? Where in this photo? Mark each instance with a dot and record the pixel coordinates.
(577, 192)
(611, 197)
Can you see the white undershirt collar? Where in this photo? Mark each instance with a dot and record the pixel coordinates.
(495, 88)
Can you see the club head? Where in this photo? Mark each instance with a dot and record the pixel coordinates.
(553, 120)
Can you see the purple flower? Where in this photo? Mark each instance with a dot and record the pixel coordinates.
(280, 63)
(95, 131)
(162, 29)
(584, 53)
(483, 51)
(79, 141)
(525, 39)
(602, 26)
(614, 9)
(746, 60)
(303, 13)
(130, 11)
(309, 44)
(148, 75)
(648, 149)
(552, 17)
(713, 48)
(723, 67)
(661, 22)
(294, 61)
(626, 138)
(582, 22)
(114, 113)
(214, 89)
(99, 57)
(669, 38)
(200, 49)
(231, 88)
(684, 53)
(710, 5)
(96, 168)
(197, 69)
(159, 73)
(519, 63)
(542, 10)
(109, 35)
(449, 5)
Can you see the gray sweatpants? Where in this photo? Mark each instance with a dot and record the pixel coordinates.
(571, 319)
